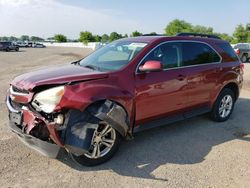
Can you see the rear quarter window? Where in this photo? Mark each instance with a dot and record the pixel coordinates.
(229, 52)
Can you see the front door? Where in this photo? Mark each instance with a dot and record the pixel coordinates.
(164, 93)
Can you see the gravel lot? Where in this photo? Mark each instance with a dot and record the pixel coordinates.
(192, 153)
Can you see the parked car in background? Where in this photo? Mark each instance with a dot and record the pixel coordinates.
(38, 45)
(8, 46)
(30, 44)
(127, 86)
(22, 44)
(243, 51)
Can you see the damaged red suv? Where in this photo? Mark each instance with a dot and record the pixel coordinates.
(127, 86)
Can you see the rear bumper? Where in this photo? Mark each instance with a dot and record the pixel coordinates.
(48, 149)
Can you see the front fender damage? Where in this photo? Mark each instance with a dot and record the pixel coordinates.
(114, 115)
(82, 125)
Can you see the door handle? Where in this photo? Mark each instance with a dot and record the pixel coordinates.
(181, 77)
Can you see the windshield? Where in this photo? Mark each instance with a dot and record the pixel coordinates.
(113, 56)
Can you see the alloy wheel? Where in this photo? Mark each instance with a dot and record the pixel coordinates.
(226, 105)
(102, 141)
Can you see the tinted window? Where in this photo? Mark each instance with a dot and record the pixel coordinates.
(197, 53)
(227, 48)
(168, 54)
(177, 54)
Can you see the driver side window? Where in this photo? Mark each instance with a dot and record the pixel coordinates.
(168, 54)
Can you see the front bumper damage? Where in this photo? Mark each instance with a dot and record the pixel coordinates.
(44, 147)
(75, 135)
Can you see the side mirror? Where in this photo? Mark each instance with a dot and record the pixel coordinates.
(151, 66)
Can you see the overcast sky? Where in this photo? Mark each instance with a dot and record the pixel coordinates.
(45, 18)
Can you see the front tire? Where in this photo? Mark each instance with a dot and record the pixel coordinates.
(105, 143)
(223, 106)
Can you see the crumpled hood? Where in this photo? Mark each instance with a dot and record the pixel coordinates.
(57, 75)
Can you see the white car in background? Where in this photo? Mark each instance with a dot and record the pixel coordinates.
(38, 45)
(22, 44)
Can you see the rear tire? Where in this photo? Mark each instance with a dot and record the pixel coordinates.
(244, 58)
(223, 106)
(7, 49)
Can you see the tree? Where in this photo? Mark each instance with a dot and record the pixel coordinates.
(60, 38)
(12, 38)
(225, 36)
(202, 29)
(4, 38)
(114, 36)
(105, 38)
(153, 33)
(177, 26)
(240, 34)
(86, 37)
(97, 38)
(24, 38)
(36, 39)
(136, 34)
(125, 36)
(248, 32)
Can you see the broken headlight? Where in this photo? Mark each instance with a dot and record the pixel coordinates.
(47, 100)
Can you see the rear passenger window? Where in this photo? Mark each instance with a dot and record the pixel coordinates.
(194, 53)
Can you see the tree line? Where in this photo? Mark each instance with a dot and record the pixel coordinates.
(241, 34)
(22, 38)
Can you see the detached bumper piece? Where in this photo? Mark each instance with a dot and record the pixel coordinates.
(79, 133)
(26, 133)
(43, 147)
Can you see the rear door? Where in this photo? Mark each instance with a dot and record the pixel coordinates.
(201, 62)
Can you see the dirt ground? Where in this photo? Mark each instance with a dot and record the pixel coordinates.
(191, 153)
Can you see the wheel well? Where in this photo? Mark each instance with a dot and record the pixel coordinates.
(112, 112)
(99, 103)
(245, 54)
(234, 87)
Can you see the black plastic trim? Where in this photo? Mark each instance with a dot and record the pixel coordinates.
(171, 119)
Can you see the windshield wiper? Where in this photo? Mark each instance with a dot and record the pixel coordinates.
(91, 67)
(76, 62)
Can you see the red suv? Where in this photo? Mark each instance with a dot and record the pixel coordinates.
(129, 85)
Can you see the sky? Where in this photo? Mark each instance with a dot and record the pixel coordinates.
(45, 18)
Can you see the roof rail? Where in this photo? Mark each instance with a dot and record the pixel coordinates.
(153, 34)
(198, 35)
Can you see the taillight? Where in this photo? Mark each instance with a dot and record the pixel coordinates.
(238, 51)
